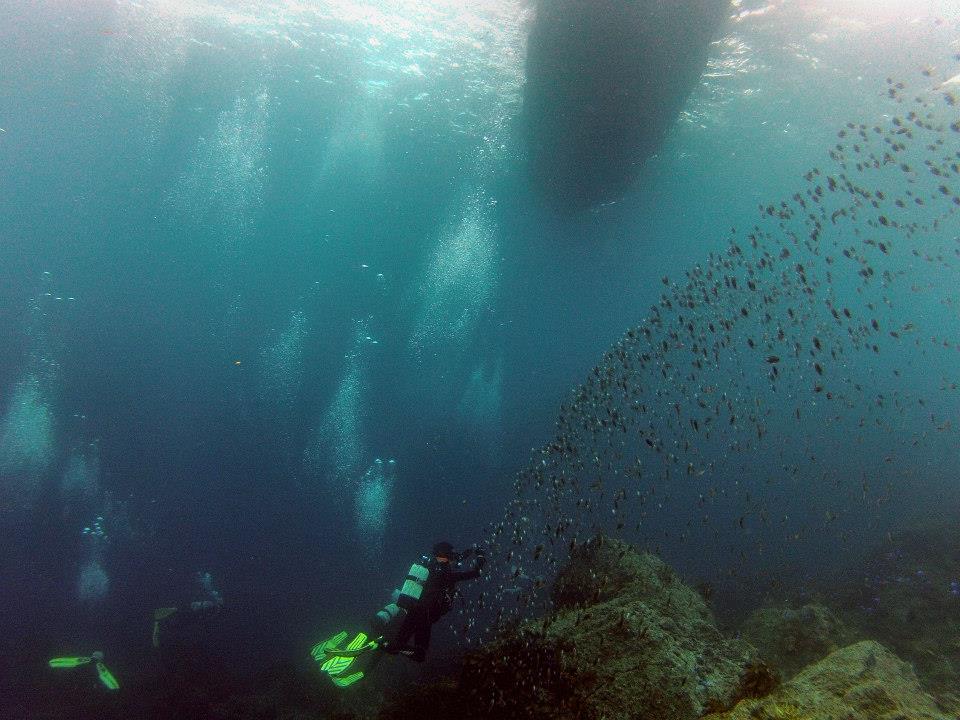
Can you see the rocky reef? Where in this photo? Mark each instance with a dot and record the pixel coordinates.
(790, 638)
(907, 595)
(864, 681)
(625, 638)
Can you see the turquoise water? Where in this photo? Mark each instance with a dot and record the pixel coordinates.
(281, 303)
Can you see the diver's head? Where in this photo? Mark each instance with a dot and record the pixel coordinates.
(443, 552)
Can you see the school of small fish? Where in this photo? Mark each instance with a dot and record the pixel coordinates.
(796, 322)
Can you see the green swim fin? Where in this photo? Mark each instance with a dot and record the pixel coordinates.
(69, 662)
(320, 650)
(347, 681)
(106, 677)
(336, 662)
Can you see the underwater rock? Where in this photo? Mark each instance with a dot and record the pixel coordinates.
(864, 681)
(789, 639)
(605, 81)
(626, 639)
(604, 569)
(907, 595)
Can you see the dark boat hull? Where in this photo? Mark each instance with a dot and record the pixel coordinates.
(605, 80)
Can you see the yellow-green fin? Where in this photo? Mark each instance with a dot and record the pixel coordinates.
(69, 662)
(320, 649)
(348, 680)
(163, 613)
(337, 665)
(106, 677)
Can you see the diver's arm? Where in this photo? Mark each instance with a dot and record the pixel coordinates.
(474, 572)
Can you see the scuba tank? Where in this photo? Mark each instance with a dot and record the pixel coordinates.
(410, 593)
(389, 612)
(412, 587)
(405, 598)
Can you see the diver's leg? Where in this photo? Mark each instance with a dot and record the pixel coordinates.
(399, 641)
(421, 640)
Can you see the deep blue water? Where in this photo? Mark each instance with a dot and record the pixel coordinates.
(245, 251)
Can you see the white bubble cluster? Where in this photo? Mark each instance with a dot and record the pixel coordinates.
(282, 371)
(92, 582)
(373, 501)
(336, 450)
(95, 530)
(461, 279)
(480, 410)
(81, 479)
(221, 189)
(26, 439)
(355, 151)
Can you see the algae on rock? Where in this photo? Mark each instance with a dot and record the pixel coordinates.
(626, 639)
(906, 595)
(789, 638)
(864, 681)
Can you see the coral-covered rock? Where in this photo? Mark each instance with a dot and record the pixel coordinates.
(627, 639)
(907, 596)
(789, 638)
(864, 681)
(606, 569)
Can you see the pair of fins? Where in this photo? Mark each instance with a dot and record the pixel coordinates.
(336, 661)
(106, 677)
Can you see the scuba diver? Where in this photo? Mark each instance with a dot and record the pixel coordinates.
(208, 604)
(426, 595)
(427, 598)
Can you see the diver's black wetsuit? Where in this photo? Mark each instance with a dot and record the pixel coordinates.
(436, 601)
